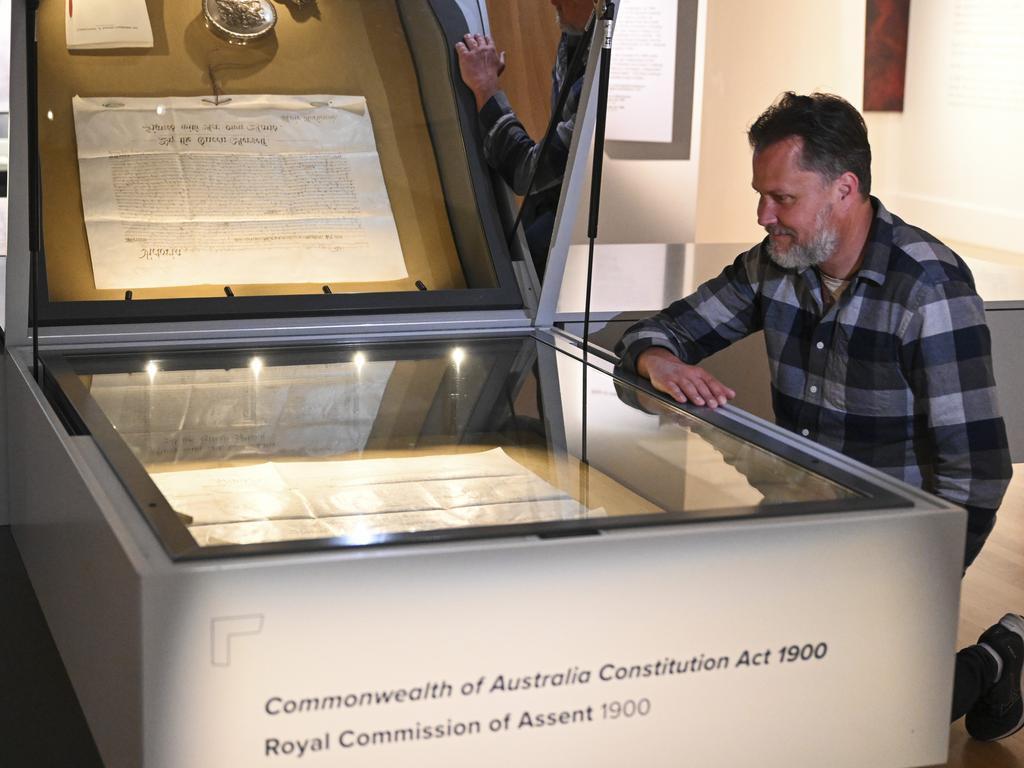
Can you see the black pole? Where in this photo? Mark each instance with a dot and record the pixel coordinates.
(607, 24)
(34, 180)
(606, 29)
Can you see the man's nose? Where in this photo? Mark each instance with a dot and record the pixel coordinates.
(766, 212)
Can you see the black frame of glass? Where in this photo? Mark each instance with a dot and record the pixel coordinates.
(82, 415)
(479, 231)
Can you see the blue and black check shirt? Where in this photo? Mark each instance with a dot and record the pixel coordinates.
(897, 373)
(509, 148)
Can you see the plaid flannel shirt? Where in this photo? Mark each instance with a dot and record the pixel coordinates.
(897, 373)
(509, 148)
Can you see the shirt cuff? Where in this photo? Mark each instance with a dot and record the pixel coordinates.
(494, 109)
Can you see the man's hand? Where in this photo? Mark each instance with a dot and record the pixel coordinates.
(480, 65)
(682, 382)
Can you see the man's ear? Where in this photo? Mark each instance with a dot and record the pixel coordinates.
(848, 186)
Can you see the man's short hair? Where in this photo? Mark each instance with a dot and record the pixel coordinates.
(835, 138)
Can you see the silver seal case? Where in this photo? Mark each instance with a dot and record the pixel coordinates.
(232, 31)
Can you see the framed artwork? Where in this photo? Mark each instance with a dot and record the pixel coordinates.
(885, 54)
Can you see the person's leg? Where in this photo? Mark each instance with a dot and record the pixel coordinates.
(988, 683)
(976, 667)
(975, 673)
(977, 533)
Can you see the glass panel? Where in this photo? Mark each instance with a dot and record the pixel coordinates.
(365, 443)
(683, 463)
(326, 152)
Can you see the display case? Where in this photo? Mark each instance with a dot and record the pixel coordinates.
(256, 451)
(297, 476)
(314, 162)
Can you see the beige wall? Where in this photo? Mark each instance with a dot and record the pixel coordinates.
(652, 201)
(952, 168)
(755, 51)
(952, 161)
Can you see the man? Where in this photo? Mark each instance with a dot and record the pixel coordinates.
(877, 346)
(507, 146)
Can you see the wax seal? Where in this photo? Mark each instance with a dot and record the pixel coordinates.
(239, 21)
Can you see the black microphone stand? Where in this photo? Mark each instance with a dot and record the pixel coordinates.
(607, 22)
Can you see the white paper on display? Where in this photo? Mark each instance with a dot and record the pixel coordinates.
(261, 189)
(280, 501)
(98, 24)
(641, 88)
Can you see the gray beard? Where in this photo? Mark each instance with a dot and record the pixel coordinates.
(822, 247)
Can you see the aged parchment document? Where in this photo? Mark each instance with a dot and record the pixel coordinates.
(285, 500)
(261, 189)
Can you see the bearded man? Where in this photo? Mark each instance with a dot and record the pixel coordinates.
(876, 342)
(507, 146)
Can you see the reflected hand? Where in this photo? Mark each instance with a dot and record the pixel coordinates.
(480, 65)
(684, 383)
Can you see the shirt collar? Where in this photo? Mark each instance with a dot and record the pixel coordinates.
(878, 249)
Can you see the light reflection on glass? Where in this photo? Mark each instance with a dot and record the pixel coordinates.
(458, 355)
(359, 359)
(256, 365)
(362, 535)
(151, 369)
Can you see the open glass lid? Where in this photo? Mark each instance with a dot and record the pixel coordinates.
(218, 158)
(253, 451)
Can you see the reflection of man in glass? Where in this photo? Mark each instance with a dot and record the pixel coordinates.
(507, 146)
(877, 344)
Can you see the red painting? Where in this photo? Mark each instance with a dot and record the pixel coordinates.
(885, 54)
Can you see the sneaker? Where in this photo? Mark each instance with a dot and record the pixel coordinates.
(1000, 712)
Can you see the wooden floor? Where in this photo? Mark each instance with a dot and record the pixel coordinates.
(994, 585)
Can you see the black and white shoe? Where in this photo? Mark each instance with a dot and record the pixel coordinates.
(1000, 712)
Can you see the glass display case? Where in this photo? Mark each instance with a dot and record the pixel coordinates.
(251, 451)
(284, 438)
(331, 166)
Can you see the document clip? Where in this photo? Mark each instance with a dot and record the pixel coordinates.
(327, 289)
(228, 292)
(420, 285)
(127, 295)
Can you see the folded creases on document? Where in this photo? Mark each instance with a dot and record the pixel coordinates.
(262, 189)
(278, 501)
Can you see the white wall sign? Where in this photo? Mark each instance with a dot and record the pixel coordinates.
(642, 85)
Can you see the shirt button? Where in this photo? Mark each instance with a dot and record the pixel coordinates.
(805, 432)
(813, 389)
(820, 345)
